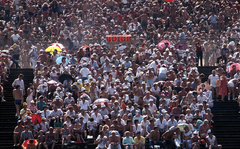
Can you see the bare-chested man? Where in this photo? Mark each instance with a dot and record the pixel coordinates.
(41, 139)
(203, 129)
(137, 92)
(18, 96)
(195, 140)
(114, 141)
(17, 132)
(50, 138)
(154, 137)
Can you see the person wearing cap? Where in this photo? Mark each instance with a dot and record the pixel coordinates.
(208, 115)
(204, 128)
(103, 111)
(17, 132)
(32, 107)
(161, 123)
(58, 102)
(92, 126)
(95, 115)
(212, 141)
(79, 83)
(68, 99)
(83, 103)
(84, 72)
(59, 92)
(42, 88)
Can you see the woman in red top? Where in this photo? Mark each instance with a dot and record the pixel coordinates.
(223, 86)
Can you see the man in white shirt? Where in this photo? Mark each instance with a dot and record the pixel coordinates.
(172, 122)
(237, 75)
(162, 73)
(83, 103)
(56, 112)
(161, 123)
(95, 115)
(152, 106)
(212, 79)
(201, 97)
(19, 81)
(42, 88)
(84, 72)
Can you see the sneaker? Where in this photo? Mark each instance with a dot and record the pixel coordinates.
(3, 100)
(228, 98)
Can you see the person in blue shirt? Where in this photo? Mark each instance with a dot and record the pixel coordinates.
(40, 103)
(128, 141)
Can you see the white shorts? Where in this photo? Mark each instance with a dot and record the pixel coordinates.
(230, 84)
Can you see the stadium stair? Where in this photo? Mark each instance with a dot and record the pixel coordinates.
(206, 70)
(8, 121)
(226, 124)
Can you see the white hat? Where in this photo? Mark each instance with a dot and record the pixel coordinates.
(32, 101)
(195, 132)
(57, 97)
(105, 117)
(29, 117)
(117, 80)
(209, 131)
(150, 100)
(83, 89)
(45, 84)
(90, 77)
(38, 112)
(103, 106)
(86, 81)
(79, 81)
(58, 88)
(144, 116)
(94, 107)
(174, 97)
(164, 111)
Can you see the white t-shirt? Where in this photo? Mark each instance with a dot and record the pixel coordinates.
(161, 125)
(97, 117)
(236, 76)
(15, 37)
(85, 72)
(84, 105)
(213, 80)
(201, 99)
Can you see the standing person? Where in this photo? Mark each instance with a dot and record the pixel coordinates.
(212, 79)
(29, 93)
(224, 52)
(199, 52)
(33, 55)
(19, 81)
(223, 86)
(17, 95)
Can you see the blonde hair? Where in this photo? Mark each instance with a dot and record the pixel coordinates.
(105, 126)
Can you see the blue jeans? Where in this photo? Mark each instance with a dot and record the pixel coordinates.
(150, 82)
(151, 142)
(162, 77)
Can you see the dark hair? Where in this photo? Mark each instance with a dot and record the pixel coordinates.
(17, 86)
(31, 141)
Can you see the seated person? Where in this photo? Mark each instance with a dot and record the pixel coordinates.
(128, 141)
(101, 141)
(139, 141)
(114, 141)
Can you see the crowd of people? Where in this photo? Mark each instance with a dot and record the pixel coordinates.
(124, 94)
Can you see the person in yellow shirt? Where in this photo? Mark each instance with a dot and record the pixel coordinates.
(87, 85)
(139, 141)
(78, 83)
(23, 111)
